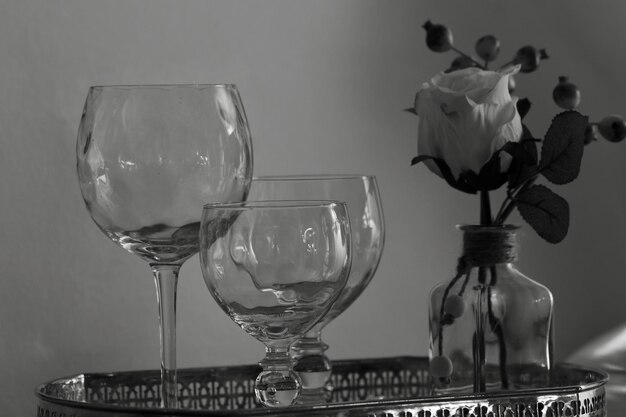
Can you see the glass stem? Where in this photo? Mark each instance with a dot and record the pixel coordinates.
(277, 385)
(313, 367)
(166, 280)
(277, 358)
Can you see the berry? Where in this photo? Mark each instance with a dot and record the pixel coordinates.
(454, 306)
(440, 367)
(438, 37)
(461, 62)
(488, 48)
(528, 57)
(566, 95)
(613, 128)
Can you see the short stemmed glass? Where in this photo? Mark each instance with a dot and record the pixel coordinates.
(148, 159)
(360, 192)
(275, 268)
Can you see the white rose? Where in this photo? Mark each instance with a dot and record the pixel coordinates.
(465, 117)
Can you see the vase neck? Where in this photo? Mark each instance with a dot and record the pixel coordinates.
(489, 245)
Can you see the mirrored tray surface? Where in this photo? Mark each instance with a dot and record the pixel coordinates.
(389, 387)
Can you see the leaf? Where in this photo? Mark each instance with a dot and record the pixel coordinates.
(444, 169)
(421, 158)
(562, 149)
(523, 107)
(490, 176)
(411, 110)
(524, 158)
(546, 212)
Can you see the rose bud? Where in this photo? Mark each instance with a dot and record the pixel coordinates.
(465, 117)
(512, 84)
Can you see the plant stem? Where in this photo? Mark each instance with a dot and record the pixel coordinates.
(464, 55)
(496, 327)
(478, 345)
(508, 64)
(509, 203)
(479, 335)
(442, 322)
(485, 208)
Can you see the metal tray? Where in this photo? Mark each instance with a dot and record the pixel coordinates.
(384, 387)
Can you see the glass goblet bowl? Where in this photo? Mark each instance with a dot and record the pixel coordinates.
(148, 157)
(362, 198)
(275, 268)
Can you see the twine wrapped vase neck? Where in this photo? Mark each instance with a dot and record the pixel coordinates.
(488, 245)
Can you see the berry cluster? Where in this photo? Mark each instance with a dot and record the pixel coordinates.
(566, 94)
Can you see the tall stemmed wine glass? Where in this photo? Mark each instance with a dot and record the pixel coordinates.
(149, 157)
(360, 192)
(275, 268)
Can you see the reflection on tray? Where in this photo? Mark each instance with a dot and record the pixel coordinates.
(396, 385)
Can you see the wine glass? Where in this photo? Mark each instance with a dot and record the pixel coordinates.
(360, 192)
(275, 267)
(148, 158)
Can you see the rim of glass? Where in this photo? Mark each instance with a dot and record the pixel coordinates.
(272, 204)
(302, 177)
(162, 86)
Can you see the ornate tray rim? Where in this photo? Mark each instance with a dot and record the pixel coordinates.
(369, 406)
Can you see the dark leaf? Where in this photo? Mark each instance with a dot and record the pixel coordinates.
(546, 212)
(529, 146)
(421, 158)
(562, 150)
(490, 176)
(492, 170)
(524, 158)
(523, 107)
(411, 110)
(446, 173)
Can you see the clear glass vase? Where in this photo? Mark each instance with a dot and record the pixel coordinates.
(490, 326)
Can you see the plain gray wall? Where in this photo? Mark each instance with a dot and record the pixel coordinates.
(324, 84)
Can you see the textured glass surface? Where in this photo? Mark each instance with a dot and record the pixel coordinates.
(148, 159)
(275, 268)
(490, 326)
(361, 195)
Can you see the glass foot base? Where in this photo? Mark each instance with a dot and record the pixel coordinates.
(277, 388)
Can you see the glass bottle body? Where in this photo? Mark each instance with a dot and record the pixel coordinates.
(490, 329)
